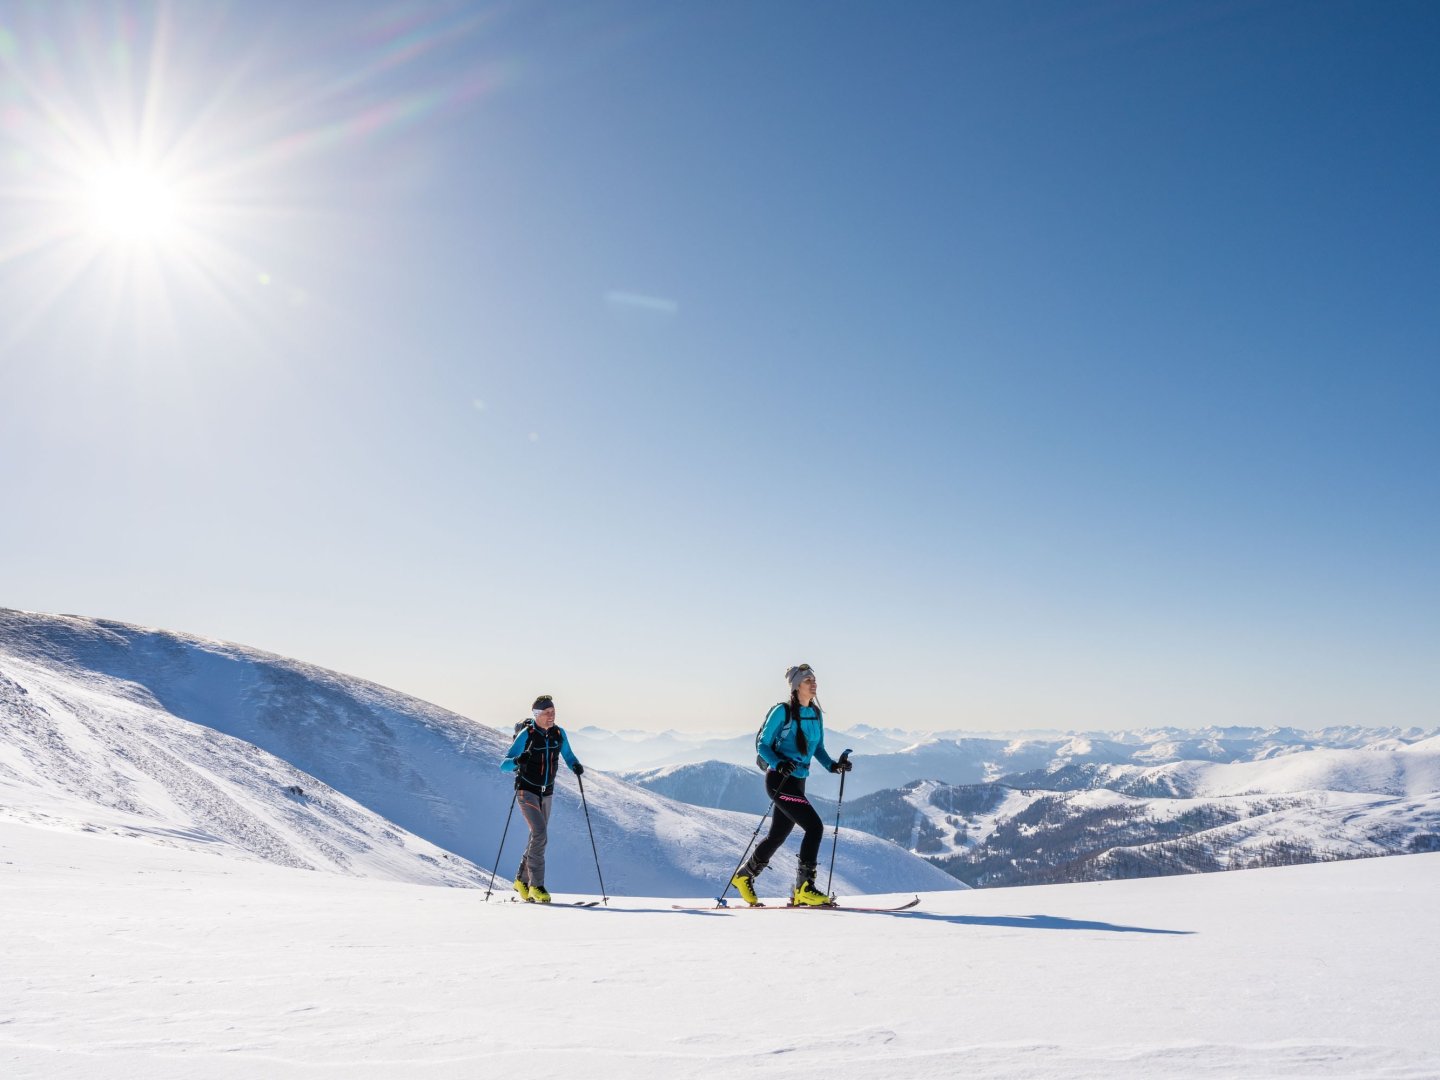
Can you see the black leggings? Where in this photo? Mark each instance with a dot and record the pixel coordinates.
(791, 809)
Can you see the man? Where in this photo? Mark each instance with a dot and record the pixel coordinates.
(534, 758)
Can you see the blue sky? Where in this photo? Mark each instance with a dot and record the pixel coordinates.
(1017, 365)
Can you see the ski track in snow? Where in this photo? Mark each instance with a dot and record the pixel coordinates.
(126, 960)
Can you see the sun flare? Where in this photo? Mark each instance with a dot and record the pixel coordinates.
(166, 160)
(130, 204)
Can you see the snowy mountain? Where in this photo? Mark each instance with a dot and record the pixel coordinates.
(644, 751)
(971, 760)
(125, 959)
(91, 755)
(707, 783)
(1092, 822)
(1085, 819)
(192, 742)
(638, 751)
(891, 758)
(1410, 769)
(724, 786)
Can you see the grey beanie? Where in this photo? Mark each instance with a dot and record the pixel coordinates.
(798, 674)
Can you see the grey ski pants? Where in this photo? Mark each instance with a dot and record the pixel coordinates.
(536, 809)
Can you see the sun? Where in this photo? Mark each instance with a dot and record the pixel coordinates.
(162, 164)
(133, 205)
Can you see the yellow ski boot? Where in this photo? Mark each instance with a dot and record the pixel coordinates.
(744, 883)
(539, 895)
(809, 896)
(524, 890)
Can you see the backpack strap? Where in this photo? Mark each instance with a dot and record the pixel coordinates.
(528, 727)
(775, 742)
(793, 718)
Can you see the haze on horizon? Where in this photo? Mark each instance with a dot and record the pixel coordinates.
(1054, 366)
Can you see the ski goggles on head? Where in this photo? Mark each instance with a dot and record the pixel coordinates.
(543, 702)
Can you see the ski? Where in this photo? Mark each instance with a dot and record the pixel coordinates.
(721, 906)
(847, 907)
(562, 903)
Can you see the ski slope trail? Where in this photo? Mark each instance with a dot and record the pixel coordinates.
(127, 960)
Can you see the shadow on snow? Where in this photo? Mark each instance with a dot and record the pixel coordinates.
(1029, 922)
(1018, 922)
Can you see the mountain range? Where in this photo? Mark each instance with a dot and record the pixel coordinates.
(1093, 807)
(892, 757)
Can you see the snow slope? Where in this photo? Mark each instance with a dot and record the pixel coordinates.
(125, 960)
(197, 741)
(78, 756)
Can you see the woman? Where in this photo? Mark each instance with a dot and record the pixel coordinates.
(534, 758)
(793, 733)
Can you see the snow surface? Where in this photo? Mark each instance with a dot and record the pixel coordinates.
(127, 960)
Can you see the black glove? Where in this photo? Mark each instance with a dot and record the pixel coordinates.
(785, 768)
(578, 769)
(843, 765)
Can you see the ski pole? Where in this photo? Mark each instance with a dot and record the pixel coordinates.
(603, 896)
(503, 834)
(773, 800)
(845, 759)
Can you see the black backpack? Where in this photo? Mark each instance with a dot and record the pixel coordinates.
(764, 765)
(528, 726)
